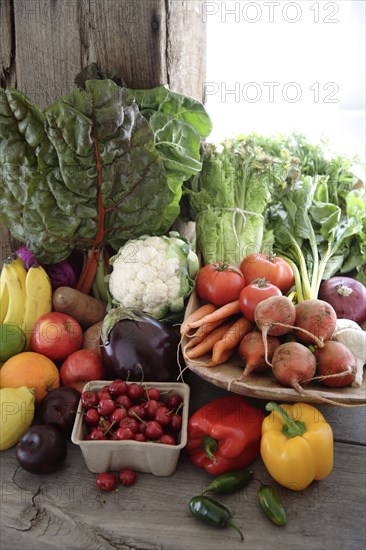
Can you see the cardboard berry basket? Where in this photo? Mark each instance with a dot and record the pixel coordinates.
(148, 456)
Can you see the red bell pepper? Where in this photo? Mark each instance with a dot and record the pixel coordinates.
(224, 434)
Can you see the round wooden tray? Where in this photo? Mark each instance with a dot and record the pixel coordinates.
(264, 386)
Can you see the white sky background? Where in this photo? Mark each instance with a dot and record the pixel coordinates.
(310, 50)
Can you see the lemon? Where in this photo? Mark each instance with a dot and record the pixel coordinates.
(12, 340)
(16, 414)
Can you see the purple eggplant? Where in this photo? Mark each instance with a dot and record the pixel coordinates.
(137, 346)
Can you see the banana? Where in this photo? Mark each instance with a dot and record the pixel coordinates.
(38, 299)
(14, 275)
(4, 296)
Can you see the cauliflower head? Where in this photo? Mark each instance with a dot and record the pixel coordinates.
(154, 274)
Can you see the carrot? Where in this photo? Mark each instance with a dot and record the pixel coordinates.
(204, 329)
(225, 356)
(201, 334)
(196, 315)
(208, 343)
(231, 338)
(221, 313)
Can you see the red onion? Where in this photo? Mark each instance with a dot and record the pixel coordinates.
(26, 256)
(61, 274)
(347, 296)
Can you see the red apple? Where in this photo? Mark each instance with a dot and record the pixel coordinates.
(56, 335)
(80, 367)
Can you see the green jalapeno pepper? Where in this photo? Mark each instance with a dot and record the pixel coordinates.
(212, 512)
(272, 505)
(230, 481)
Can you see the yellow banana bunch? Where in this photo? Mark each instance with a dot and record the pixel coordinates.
(13, 282)
(38, 299)
(24, 295)
(4, 296)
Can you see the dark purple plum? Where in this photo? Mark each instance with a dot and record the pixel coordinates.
(58, 408)
(42, 449)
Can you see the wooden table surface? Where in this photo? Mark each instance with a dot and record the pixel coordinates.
(65, 509)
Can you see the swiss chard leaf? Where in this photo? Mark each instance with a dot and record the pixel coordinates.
(174, 105)
(96, 178)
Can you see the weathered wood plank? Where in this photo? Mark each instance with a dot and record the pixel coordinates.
(45, 43)
(7, 59)
(65, 509)
(186, 47)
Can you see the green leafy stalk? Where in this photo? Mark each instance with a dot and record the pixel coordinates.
(229, 198)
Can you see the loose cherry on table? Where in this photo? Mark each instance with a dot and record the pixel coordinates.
(106, 481)
(127, 477)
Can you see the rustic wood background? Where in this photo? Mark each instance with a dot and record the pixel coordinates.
(45, 43)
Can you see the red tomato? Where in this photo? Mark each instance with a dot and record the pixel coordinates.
(219, 283)
(254, 293)
(268, 266)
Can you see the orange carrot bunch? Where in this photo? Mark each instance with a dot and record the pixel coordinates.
(216, 331)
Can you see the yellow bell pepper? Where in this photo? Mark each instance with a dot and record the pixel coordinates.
(296, 445)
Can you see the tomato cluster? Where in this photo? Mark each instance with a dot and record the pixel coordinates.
(259, 276)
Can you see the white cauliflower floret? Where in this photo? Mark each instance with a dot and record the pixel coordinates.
(149, 254)
(144, 277)
(121, 285)
(154, 296)
(156, 242)
(173, 286)
(147, 274)
(168, 269)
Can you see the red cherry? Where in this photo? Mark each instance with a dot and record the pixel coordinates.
(91, 416)
(125, 434)
(153, 430)
(131, 423)
(103, 393)
(152, 393)
(106, 406)
(97, 434)
(136, 411)
(127, 477)
(151, 407)
(124, 401)
(174, 401)
(168, 439)
(106, 481)
(104, 425)
(89, 399)
(162, 416)
(118, 414)
(140, 437)
(175, 422)
(135, 391)
(118, 387)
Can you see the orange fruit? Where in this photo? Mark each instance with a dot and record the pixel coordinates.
(30, 369)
